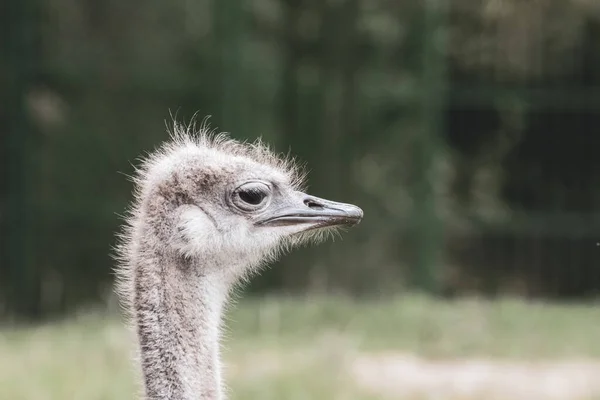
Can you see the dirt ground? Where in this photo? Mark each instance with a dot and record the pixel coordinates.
(398, 375)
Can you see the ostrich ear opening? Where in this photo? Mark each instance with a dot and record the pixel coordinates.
(314, 212)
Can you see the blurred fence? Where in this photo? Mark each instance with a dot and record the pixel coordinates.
(466, 130)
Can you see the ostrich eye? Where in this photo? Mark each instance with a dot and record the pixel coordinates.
(251, 196)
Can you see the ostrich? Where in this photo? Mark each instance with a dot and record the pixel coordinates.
(207, 212)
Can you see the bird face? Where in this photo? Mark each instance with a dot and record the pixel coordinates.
(245, 210)
(271, 206)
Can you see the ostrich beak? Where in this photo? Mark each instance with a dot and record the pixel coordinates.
(303, 209)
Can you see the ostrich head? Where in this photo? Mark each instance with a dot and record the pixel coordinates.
(234, 205)
(207, 211)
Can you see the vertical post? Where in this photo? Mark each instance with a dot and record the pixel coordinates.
(229, 34)
(428, 229)
(20, 49)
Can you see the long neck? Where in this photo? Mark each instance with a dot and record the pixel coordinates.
(178, 314)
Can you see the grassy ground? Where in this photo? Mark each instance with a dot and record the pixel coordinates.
(299, 349)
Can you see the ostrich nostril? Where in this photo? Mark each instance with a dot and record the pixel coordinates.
(310, 203)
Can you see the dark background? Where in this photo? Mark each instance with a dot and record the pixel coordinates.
(468, 133)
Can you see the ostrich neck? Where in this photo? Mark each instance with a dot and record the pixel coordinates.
(178, 314)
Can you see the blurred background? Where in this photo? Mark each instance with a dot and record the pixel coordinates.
(467, 131)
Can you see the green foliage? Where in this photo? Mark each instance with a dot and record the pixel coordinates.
(449, 127)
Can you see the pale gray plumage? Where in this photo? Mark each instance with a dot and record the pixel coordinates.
(207, 212)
